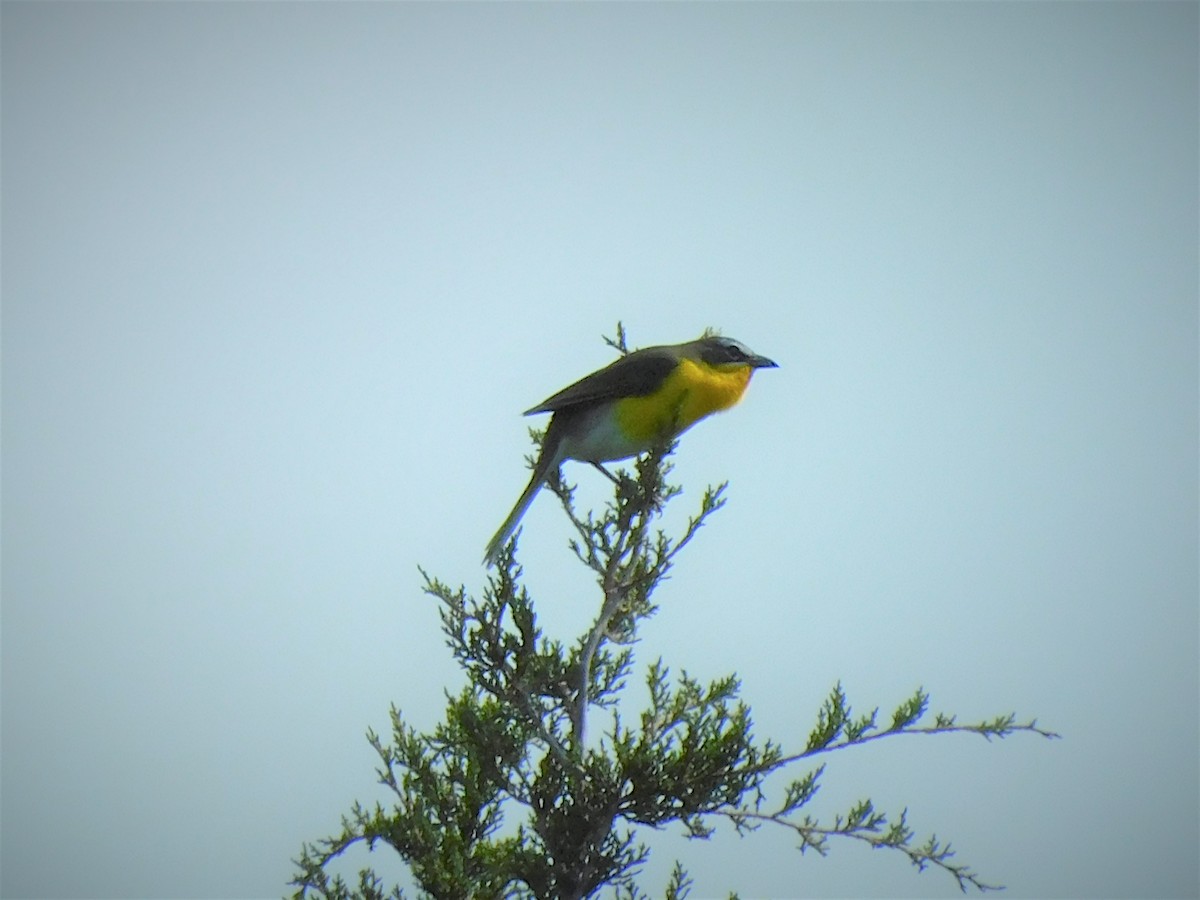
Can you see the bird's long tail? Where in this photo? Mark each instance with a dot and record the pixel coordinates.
(500, 538)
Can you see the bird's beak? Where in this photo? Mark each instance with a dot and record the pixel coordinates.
(761, 362)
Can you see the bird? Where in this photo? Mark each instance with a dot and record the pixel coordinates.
(632, 404)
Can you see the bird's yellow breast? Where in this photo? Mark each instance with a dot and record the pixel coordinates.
(691, 392)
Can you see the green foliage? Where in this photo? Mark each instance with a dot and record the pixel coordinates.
(510, 795)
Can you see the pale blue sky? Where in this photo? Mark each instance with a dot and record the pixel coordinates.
(278, 280)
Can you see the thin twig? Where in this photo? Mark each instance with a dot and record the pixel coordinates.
(920, 729)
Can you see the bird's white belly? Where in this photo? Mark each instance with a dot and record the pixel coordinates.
(597, 438)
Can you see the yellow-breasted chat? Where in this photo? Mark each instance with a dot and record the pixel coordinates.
(629, 406)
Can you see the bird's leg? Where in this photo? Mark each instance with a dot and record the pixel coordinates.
(607, 474)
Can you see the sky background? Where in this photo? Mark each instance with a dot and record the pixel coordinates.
(278, 280)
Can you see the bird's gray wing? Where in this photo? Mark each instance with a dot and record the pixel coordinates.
(633, 375)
